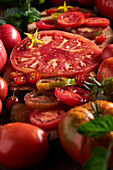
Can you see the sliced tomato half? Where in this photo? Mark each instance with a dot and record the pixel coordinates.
(71, 19)
(33, 77)
(41, 100)
(97, 22)
(72, 96)
(46, 120)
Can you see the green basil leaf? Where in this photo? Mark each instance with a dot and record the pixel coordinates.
(41, 1)
(97, 127)
(99, 159)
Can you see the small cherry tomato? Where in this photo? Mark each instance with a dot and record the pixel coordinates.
(87, 14)
(33, 77)
(11, 101)
(46, 120)
(72, 96)
(80, 78)
(16, 74)
(100, 39)
(71, 19)
(20, 80)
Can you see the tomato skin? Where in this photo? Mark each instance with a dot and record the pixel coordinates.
(11, 101)
(1, 106)
(3, 56)
(10, 36)
(105, 8)
(106, 68)
(107, 52)
(20, 80)
(77, 146)
(22, 145)
(3, 89)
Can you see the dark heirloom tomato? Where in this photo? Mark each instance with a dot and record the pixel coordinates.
(106, 68)
(22, 145)
(48, 119)
(61, 54)
(72, 96)
(3, 57)
(97, 22)
(77, 146)
(71, 19)
(105, 7)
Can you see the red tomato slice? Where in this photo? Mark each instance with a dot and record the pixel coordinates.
(47, 24)
(61, 54)
(50, 11)
(20, 80)
(41, 100)
(100, 39)
(71, 19)
(46, 120)
(72, 96)
(16, 74)
(97, 22)
(106, 68)
(33, 77)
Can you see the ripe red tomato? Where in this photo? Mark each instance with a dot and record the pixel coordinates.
(87, 3)
(22, 145)
(0, 106)
(71, 19)
(107, 52)
(11, 101)
(33, 77)
(106, 68)
(3, 56)
(60, 2)
(77, 146)
(80, 78)
(3, 89)
(100, 39)
(20, 80)
(10, 36)
(105, 8)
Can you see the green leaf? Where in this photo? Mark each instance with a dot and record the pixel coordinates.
(9, 12)
(99, 159)
(41, 1)
(97, 127)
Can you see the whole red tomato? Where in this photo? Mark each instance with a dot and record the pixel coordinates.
(106, 68)
(10, 36)
(105, 8)
(3, 56)
(60, 2)
(107, 52)
(22, 145)
(3, 89)
(77, 146)
(87, 3)
(11, 101)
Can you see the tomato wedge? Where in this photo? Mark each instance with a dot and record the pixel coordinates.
(41, 100)
(72, 96)
(16, 74)
(97, 22)
(71, 19)
(47, 120)
(33, 77)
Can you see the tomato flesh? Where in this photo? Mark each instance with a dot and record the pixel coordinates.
(97, 22)
(46, 120)
(16, 74)
(20, 80)
(71, 19)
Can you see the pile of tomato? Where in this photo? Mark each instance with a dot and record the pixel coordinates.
(31, 144)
